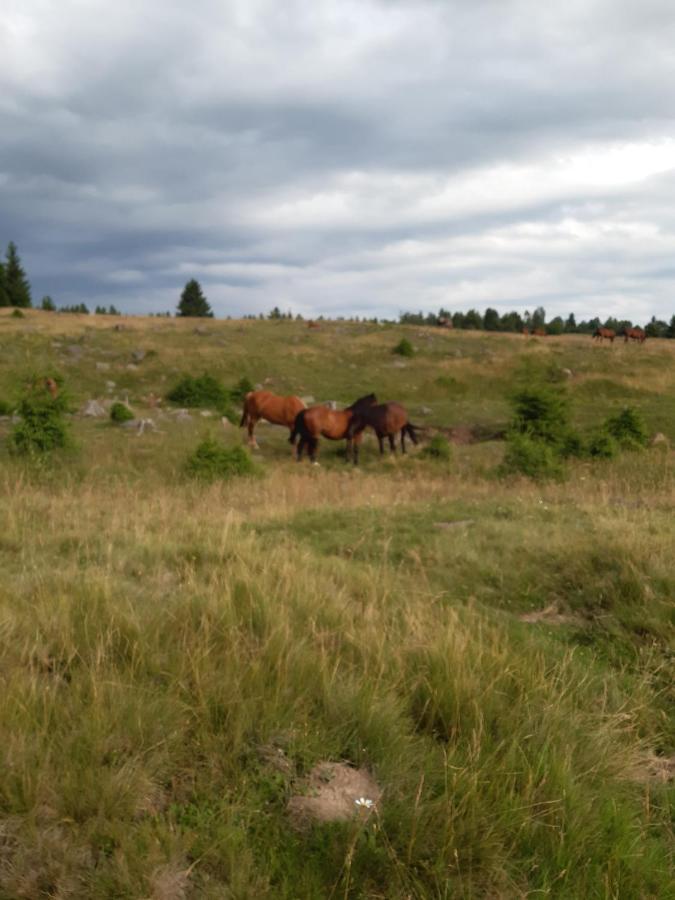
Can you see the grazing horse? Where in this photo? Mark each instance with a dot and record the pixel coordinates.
(271, 407)
(320, 421)
(386, 420)
(635, 334)
(539, 332)
(601, 334)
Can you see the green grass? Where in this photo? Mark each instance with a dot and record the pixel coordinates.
(159, 633)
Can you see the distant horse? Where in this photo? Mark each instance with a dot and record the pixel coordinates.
(386, 420)
(635, 334)
(526, 332)
(320, 421)
(52, 387)
(539, 332)
(312, 324)
(271, 407)
(600, 334)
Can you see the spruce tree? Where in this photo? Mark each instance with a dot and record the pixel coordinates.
(17, 286)
(4, 296)
(193, 302)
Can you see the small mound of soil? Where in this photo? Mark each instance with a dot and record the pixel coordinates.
(335, 792)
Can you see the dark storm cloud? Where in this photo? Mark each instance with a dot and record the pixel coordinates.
(342, 157)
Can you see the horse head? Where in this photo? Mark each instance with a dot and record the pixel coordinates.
(363, 402)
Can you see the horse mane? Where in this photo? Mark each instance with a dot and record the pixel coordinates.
(368, 400)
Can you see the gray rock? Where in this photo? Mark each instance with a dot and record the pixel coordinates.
(138, 355)
(659, 438)
(425, 411)
(140, 425)
(93, 409)
(102, 367)
(74, 350)
(132, 367)
(568, 372)
(182, 415)
(110, 385)
(258, 387)
(206, 413)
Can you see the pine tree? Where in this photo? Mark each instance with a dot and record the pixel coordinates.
(4, 297)
(193, 302)
(17, 286)
(670, 332)
(48, 304)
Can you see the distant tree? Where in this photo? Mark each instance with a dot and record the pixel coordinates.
(656, 328)
(193, 302)
(458, 319)
(570, 324)
(275, 313)
(473, 319)
(17, 286)
(670, 331)
(491, 320)
(79, 308)
(4, 297)
(555, 326)
(539, 317)
(511, 321)
(48, 304)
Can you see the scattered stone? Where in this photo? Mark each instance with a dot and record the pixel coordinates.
(660, 438)
(132, 367)
(93, 409)
(102, 367)
(269, 380)
(399, 364)
(334, 792)
(206, 413)
(568, 372)
(425, 411)
(258, 387)
(140, 425)
(138, 355)
(308, 400)
(182, 415)
(74, 350)
(110, 385)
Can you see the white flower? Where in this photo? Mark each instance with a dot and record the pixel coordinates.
(365, 801)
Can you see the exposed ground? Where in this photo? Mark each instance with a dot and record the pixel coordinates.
(177, 659)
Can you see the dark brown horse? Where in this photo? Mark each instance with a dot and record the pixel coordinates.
(266, 405)
(600, 334)
(635, 334)
(386, 420)
(320, 421)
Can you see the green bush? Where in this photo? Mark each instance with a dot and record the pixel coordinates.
(542, 412)
(120, 412)
(438, 448)
(602, 446)
(211, 461)
(530, 456)
(17, 314)
(203, 391)
(404, 348)
(241, 389)
(6, 408)
(42, 427)
(628, 429)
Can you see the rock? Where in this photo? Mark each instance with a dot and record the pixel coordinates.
(660, 438)
(74, 350)
(182, 415)
(206, 413)
(140, 425)
(102, 367)
(308, 400)
(258, 387)
(568, 372)
(335, 792)
(201, 330)
(132, 367)
(425, 411)
(399, 364)
(110, 385)
(268, 380)
(138, 355)
(93, 409)
(331, 404)
(57, 345)
(225, 422)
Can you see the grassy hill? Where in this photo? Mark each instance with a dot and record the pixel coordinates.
(176, 657)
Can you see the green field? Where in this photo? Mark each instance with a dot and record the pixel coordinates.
(177, 657)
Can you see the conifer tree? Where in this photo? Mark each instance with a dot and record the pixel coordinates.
(17, 286)
(193, 302)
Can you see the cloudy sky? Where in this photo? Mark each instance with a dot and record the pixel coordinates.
(342, 156)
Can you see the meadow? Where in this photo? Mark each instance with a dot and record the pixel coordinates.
(177, 656)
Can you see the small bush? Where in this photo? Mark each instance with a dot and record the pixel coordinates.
(241, 389)
(120, 412)
(6, 409)
(541, 412)
(628, 429)
(532, 457)
(204, 391)
(42, 427)
(404, 348)
(211, 461)
(602, 446)
(17, 314)
(438, 448)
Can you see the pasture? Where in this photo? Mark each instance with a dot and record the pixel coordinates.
(177, 657)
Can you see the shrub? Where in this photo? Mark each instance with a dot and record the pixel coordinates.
(404, 348)
(201, 392)
(602, 446)
(17, 314)
(438, 448)
(241, 389)
(120, 412)
(542, 412)
(6, 408)
(526, 455)
(211, 461)
(42, 427)
(628, 429)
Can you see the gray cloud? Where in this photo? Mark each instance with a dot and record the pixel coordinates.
(345, 158)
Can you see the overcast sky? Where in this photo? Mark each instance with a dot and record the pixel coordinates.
(342, 157)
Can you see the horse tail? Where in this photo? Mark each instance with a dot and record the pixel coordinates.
(297, 427)
(410, 430)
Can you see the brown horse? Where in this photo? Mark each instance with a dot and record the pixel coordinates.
(635, 334)
(602, 334)
(272, 408)
(386, 420)
(320, 421)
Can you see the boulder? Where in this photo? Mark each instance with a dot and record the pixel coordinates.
(138, 355)
(93, 409)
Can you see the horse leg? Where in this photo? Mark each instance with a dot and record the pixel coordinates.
(402, 440)
(313, 448)
(392, 443)
(301, 447)
(380, 441)
(252, 422)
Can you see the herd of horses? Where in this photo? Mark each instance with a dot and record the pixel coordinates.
(608, 334)
(308, 424)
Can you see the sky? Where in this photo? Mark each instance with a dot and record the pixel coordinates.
(342, 158)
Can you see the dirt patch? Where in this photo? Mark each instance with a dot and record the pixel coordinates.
(551, 615)
(334, 792)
